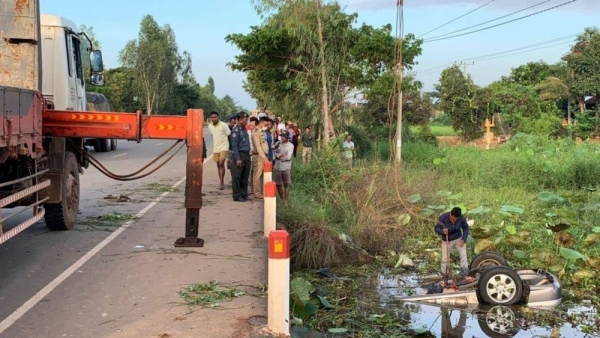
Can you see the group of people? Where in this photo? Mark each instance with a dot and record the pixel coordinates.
(244, 146)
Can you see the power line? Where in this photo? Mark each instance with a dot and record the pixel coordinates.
(496, 19)
(460, 17)
(513, 51)
(503, 23)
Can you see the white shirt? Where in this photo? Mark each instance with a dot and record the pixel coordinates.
(280, 126)
(348, 147)
(219, 134)
(284, 154)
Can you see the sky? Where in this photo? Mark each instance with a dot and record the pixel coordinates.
(201, 27)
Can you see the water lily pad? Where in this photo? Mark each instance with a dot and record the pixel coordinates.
(542, 257)
(596, 230)
(569, 254)
(546, 196)
(511, 209)
(403, 219)
(478, 211)
(582, 275)
(591, 239)
(520, 254)
(427, 212)
(511, 229)
(444, 193)
(517, 240)
(414, 198)
(483, 245)
(337, 330)
(550, 214)
(481, 232)
(564, 239)
(593, 262)
(404, 261)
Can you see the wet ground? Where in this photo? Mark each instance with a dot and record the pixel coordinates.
(568, 320)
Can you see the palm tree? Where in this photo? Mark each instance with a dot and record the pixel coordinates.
(554, 88)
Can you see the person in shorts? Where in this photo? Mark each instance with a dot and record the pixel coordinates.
(284, 150)
(220, 132)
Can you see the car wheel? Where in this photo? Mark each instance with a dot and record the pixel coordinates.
(487, 259)
(500, 286)
(499, 321)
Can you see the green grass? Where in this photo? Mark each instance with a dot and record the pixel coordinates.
(437, 130)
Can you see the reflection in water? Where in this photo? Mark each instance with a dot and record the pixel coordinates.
(475, 320)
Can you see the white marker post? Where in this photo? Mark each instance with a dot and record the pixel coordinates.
(270, 207)
(268, 172)
(279, 282)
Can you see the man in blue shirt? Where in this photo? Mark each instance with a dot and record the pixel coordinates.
(454, 230)
(240, 147)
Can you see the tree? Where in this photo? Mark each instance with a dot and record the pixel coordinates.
(154, 56)
(308, 58)
(466, 104)
(583, 62)
(532, 73)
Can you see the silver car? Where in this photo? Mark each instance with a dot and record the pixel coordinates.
(495, 284)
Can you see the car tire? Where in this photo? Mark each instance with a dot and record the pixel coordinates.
(500, 285)
(487, 259)
(113, 144)
(498, 322)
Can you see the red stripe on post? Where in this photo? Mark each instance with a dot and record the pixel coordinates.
(268, 166)
(270, 189)
(279, 244)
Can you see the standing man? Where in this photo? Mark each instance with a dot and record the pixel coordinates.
(280, 124)
(348, 147)
(220, 133)
(454, 230)
(307, 144)
(260, 151)
(283, 166)
(295, 138)
(240, 146)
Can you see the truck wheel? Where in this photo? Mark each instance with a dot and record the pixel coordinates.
(113, 144)
(487, 259)
(104, 145)
(62, 216)
(500, 286)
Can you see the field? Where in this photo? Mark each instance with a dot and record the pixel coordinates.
(534, 200)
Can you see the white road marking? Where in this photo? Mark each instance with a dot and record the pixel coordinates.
(123, 154)
(158, 144)
(28, 305)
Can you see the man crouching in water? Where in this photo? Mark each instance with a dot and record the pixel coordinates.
(454, 230)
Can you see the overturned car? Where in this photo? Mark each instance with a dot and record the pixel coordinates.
(494, 283)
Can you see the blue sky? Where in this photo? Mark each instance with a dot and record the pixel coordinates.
(201, 26)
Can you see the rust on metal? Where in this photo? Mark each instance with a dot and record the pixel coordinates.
(193, 179)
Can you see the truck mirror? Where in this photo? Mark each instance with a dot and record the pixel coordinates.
(97, 80)
(96, 64)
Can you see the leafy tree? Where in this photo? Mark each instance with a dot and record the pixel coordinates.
(583, 62)
(466, 104)
(307, 58)
(154, 56)
(532, 73)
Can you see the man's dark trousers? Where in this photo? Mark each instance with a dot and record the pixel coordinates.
(240, 177)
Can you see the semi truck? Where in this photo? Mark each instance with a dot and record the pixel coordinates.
(45, 122)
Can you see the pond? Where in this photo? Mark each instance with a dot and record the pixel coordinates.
(575, 320)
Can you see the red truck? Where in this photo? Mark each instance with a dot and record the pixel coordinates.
(45, 121)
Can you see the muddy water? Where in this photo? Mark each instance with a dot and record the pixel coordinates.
(479, 320)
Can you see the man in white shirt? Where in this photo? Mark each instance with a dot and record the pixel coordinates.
(220, 132)
(283, 166)
(349, 150)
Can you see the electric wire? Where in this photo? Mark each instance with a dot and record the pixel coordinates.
(524, 49)
(455, 19)
(502, 23)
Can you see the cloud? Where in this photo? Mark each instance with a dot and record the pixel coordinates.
(588, 6)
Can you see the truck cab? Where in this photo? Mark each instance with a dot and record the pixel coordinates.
(63, 81)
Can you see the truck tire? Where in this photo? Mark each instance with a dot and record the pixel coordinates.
(113, 144)
(62, 216)
(102, 145)
(500, 285)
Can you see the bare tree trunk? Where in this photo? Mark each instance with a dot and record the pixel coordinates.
(324, 95)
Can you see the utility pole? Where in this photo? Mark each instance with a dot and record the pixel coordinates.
(465, 64)
(399, 67)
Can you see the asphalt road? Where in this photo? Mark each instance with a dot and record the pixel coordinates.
(34, 258)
